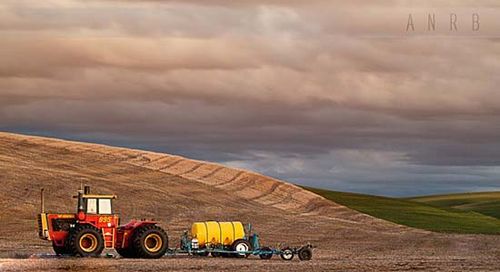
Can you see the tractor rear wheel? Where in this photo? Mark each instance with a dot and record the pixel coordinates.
(85, 241)
(150, 242)
(241, 245)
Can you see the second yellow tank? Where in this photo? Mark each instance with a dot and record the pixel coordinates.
(217, 233)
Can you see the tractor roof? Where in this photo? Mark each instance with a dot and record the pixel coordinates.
(98, 196)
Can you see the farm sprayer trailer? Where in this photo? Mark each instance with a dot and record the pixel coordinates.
(95, 227)
(228, 239)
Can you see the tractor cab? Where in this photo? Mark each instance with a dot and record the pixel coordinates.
(93, 204)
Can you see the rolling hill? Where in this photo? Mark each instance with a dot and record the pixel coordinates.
(173, 189)
(487, 203)
(440, 218)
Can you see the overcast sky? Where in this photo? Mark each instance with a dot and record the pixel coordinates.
(332, 94)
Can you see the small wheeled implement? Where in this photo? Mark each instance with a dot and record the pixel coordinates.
(95, 227)
(228, 239)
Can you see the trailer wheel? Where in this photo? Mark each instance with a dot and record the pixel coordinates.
(150, 241)
(305, 254)
(241, 245)
(266, 256)
(85, 241)
(287, 254)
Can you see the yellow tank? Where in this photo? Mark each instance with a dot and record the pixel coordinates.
(213, 232)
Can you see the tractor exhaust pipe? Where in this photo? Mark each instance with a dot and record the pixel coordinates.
(80, 201)
(42, 201)
(85, 191)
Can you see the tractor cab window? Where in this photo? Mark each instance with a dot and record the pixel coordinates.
(99, 206)
(105, 206)
(92, 205)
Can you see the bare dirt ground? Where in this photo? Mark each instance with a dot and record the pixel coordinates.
(326, 263)
(177, 191)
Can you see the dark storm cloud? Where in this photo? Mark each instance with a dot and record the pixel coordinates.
(324, 93)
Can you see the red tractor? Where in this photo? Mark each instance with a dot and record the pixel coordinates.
(95, 227)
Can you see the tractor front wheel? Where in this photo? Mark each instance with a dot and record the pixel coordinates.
(150, 242)
(85, 241)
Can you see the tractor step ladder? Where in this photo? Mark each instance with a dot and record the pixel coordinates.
(109, 241)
